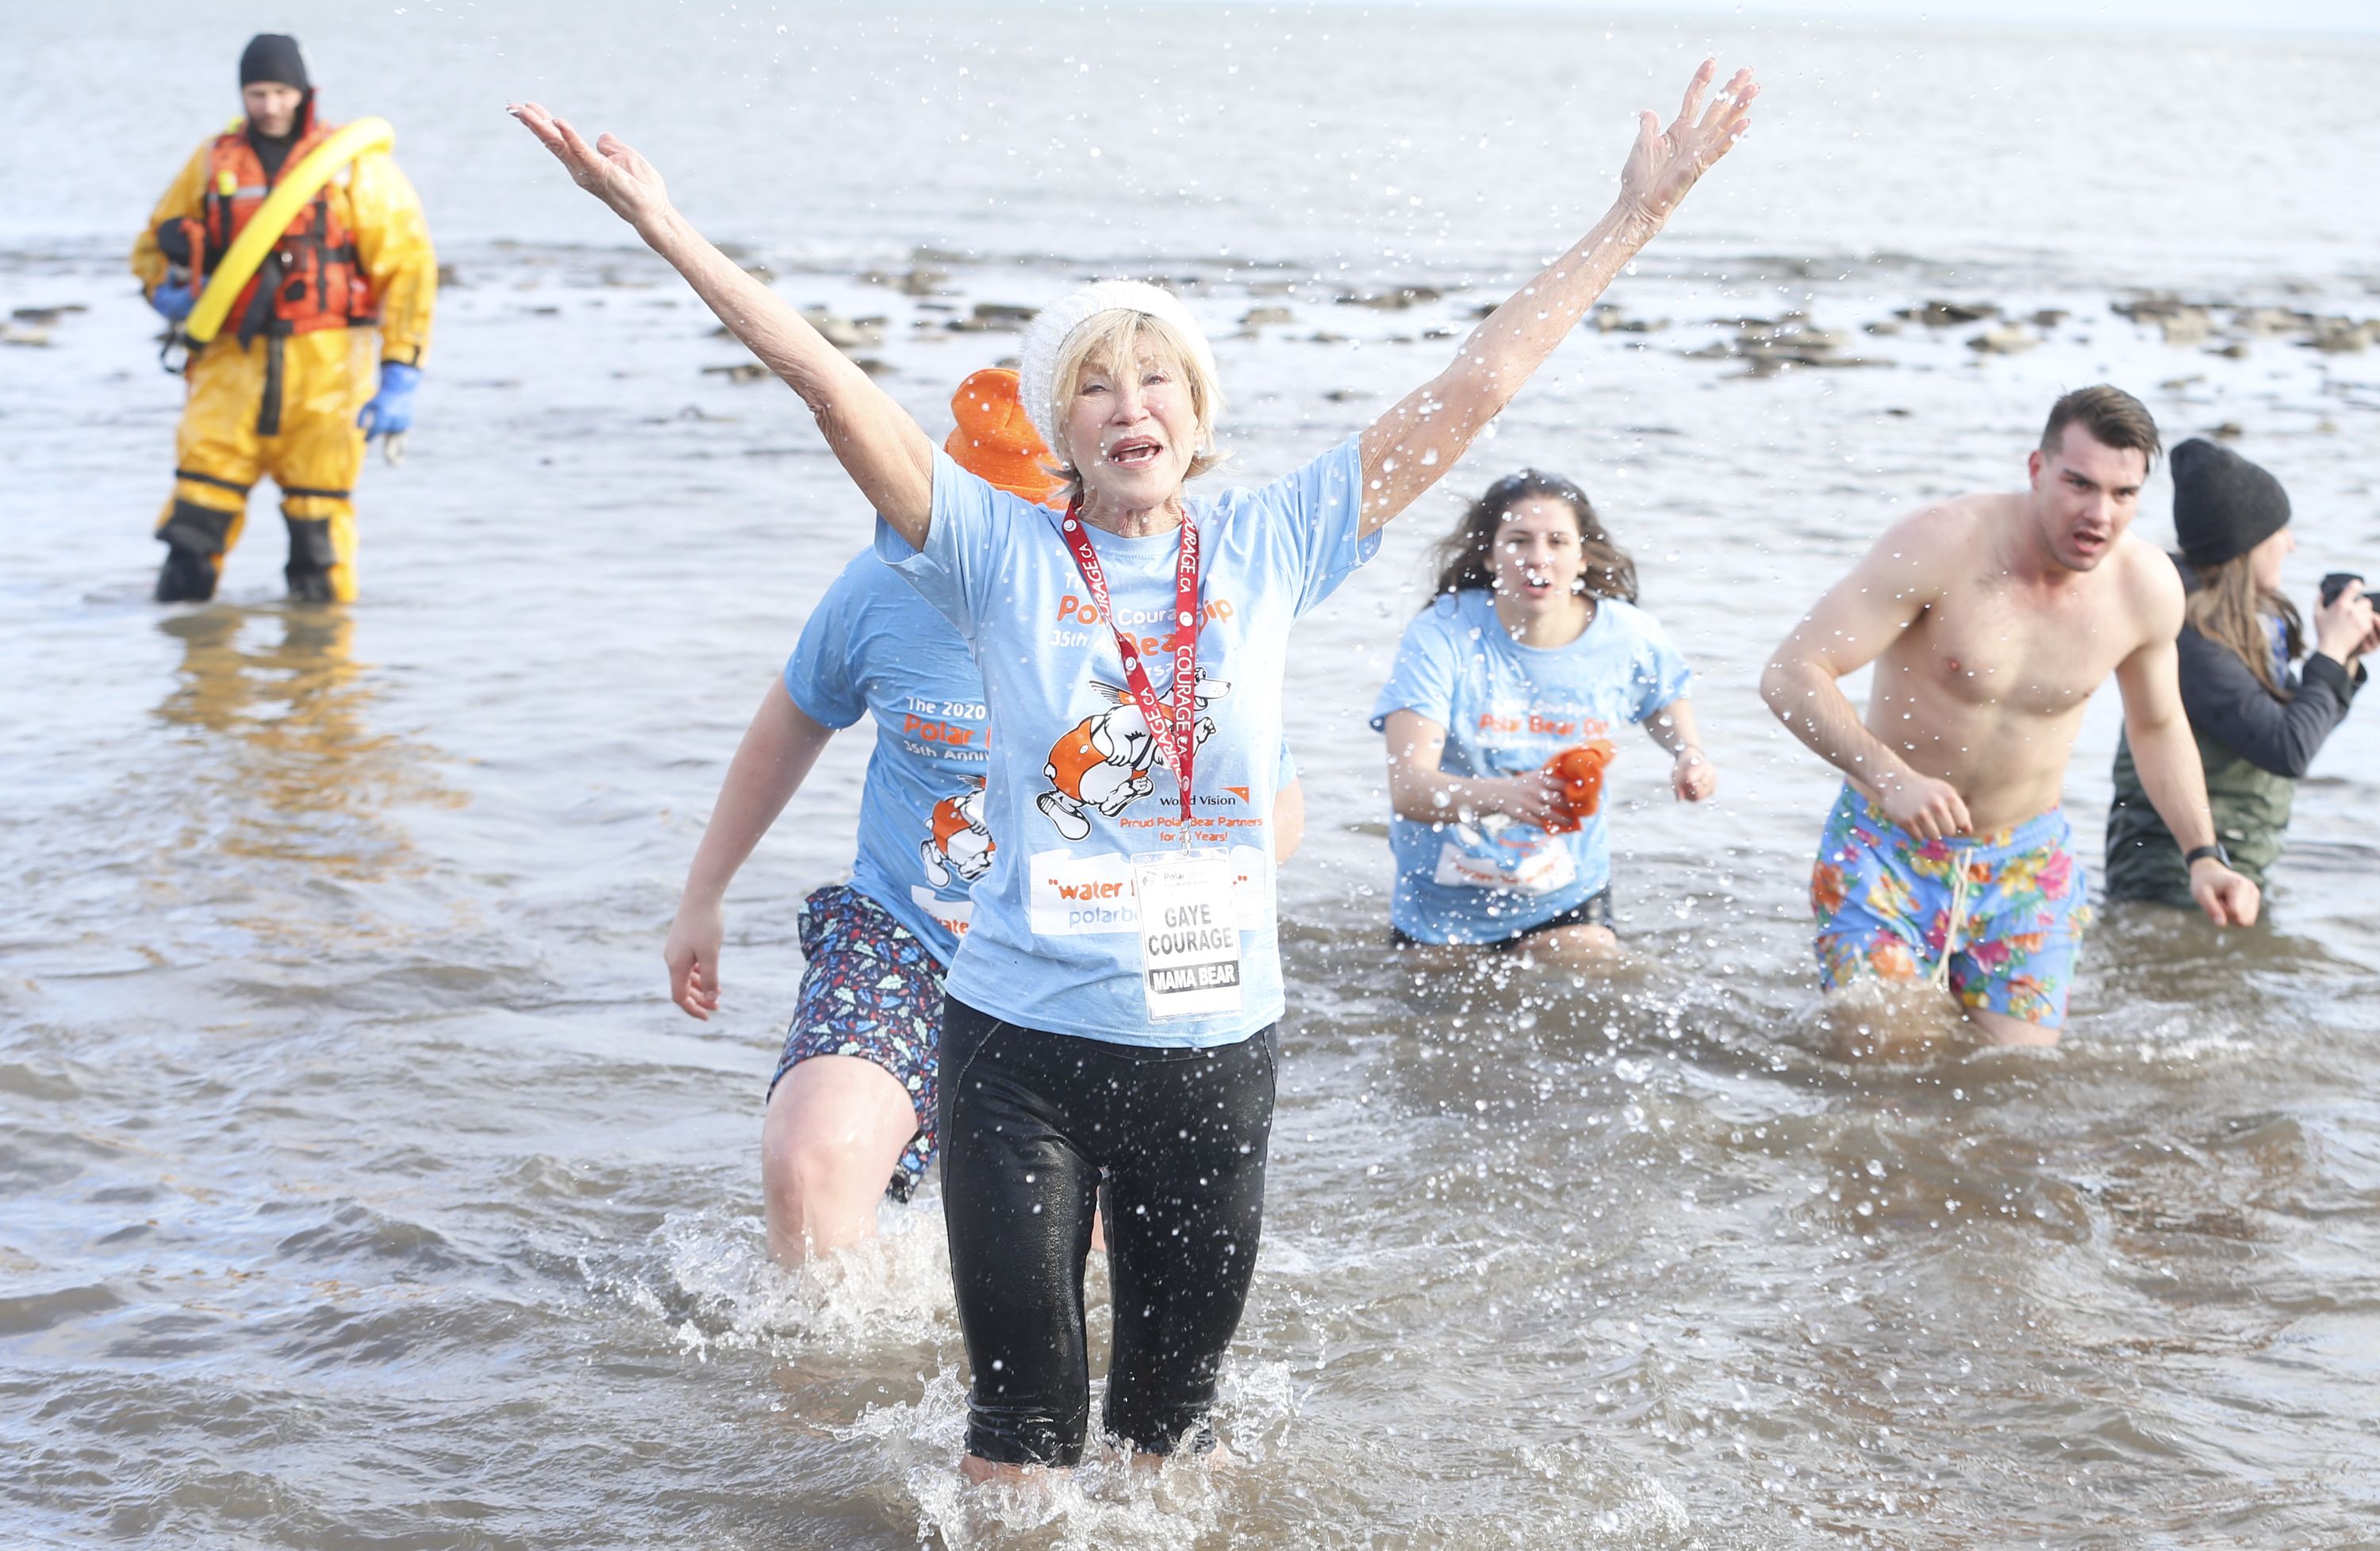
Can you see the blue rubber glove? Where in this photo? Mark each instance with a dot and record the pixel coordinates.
(391, 411)
(173, 302)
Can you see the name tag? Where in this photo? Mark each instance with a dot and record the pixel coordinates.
(1189, 933)
(1513, 857)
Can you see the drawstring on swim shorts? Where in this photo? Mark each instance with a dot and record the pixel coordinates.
(1957, 923)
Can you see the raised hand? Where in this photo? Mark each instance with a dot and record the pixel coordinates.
(1664, 164)
(2343, 627)
(609, 169)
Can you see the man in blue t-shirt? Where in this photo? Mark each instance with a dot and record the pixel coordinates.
(852, 1101)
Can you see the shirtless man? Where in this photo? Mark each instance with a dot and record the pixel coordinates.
(1991, 618)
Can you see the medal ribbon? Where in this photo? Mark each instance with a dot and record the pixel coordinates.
(1177, 736)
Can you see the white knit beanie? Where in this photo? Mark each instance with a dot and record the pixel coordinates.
(1046, 336)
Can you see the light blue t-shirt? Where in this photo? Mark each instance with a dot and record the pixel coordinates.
(873, 647)
(1076, 789)
(1506, 709)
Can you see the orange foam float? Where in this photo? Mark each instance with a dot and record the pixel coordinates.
(1579, 772)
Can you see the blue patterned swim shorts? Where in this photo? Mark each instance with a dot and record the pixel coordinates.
(870, 991)
(2007, 906)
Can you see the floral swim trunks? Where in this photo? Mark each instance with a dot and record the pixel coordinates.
(1890, 905)
(870, 991)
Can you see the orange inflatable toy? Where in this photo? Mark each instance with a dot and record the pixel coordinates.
(1580, 772)
(995, 442)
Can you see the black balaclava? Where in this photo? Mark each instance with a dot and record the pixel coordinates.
(2223, 505)
(274, 56)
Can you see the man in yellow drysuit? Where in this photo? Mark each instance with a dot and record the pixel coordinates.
(288, 388)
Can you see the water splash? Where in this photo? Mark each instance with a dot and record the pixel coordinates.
(1112, 1499)
(712, 1281)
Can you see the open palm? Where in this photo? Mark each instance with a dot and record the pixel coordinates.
(610, 169)
(1664, 164)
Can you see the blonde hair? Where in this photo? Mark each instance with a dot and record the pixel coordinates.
(1112, 336)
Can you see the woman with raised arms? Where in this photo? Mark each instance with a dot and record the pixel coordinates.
(851, 1107)
(1114, 1004)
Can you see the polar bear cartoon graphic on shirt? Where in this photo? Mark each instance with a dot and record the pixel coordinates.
(1103, 760)
(961, 844)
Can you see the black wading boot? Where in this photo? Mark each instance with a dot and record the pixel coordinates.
(311, 559)
(195, 538)
(187, 576)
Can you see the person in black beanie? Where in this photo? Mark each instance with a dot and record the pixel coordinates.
(274, 56)
(273, 60)
(2258, 723)
(287, 389)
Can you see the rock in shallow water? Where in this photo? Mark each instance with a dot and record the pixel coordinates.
(2182, 322)
(994, 317)
(2006, 340)
(1390, 298)
(2334, 336)
(1948, 314)
(846, 334)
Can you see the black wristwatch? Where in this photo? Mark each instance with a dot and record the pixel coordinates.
(2189, 858)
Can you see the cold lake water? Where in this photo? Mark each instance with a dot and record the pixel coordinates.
(359, 1186)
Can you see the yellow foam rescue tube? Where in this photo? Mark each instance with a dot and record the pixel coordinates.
(272, 218)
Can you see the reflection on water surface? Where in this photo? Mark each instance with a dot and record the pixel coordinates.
(288, 768)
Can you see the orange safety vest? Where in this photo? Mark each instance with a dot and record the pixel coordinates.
(313, 277)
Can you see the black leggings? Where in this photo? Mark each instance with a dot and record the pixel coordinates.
(1028, 1121)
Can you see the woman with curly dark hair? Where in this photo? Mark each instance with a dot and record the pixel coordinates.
(1498, 714)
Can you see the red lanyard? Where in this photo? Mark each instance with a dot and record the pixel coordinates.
(1176, 737)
